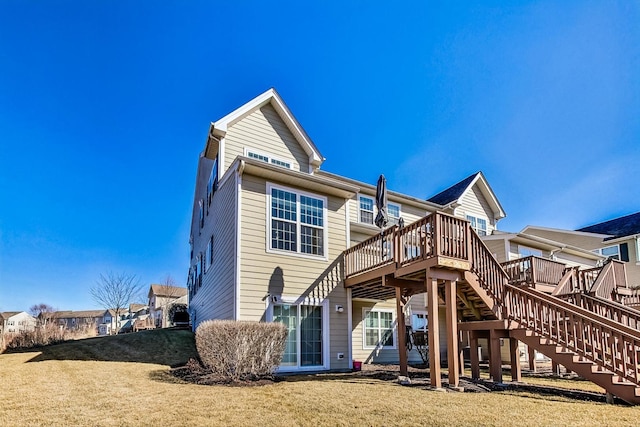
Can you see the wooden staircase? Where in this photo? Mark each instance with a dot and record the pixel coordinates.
(400, 261)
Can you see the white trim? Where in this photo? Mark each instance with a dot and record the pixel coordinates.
(399, 211)
(326, 351)
(394, 328)
(237, 245)
(637, 250)
(507, 250)
(486, 190)
(325, 224)
(221, 158)
(476, 228)
(559, 230)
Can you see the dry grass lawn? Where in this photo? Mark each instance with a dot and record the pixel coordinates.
(114, 381)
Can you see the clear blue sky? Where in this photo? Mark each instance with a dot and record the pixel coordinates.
(104, 107)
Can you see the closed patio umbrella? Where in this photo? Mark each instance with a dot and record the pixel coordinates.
(381, 202)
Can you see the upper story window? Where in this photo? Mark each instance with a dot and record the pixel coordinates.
(209, 255)
(366, 209)
(478, 224)
(201, 217)
(609, 251)
(297, 222)
(525, 251)
(267, 158)
(393, 211)
(212, 184)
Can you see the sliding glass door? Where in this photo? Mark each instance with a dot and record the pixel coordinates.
(304, 347)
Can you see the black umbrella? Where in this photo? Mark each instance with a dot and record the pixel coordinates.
(381, 202)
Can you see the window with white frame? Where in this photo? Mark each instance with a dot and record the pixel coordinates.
(365, 209)
(609, 251)
(212, 184)
(478, 224)
(297, 222)
(378, 329)
(201, 204)
(393, 211)
(638, 249)
(267, 158)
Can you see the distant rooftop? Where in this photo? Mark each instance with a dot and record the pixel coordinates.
(618, 227)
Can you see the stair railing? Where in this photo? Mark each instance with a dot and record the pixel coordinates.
(608, 344)
(605, 308)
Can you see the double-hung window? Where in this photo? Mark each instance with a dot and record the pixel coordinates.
(208, 259)
(378, 329)
(366, 209)
(212, 184)
(478, 224)
(393, 211)
(297, 222)
(609, 251)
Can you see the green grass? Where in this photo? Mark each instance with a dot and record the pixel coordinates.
(125, 380)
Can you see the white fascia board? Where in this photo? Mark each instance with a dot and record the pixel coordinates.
(487, 192)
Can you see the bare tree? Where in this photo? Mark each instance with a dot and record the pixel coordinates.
(115, 292)
(42, 312)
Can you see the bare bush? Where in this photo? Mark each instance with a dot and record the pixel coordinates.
(46, 335)
(241, 350)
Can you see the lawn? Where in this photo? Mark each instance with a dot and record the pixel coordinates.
(125, 380)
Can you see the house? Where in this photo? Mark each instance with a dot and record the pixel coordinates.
(268, 235)
(15, 322)
(161, 298)
(88, 320)
(618, 238)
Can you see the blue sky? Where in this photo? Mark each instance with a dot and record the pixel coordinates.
(104, 107)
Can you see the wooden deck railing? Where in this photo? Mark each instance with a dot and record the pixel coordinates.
(611, 276)
(437, 234)
(374, 252)
(609, 309)
(533, 269)
(601, 340)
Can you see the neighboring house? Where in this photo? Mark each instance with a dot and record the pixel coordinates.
(15, 322)
(268, 233)
(618, 238)
(161, 298)
(78, 320)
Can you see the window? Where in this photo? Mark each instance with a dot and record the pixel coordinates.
(393, 211)
(638, 250)
(201, 203)
(378, 329)
(304, 347)
(478, 224)
(609, 251)
(366, 209)
(525, 251)
(297, 222)
(212, 184)
(201, 270)
(267, 158)
(210, 251)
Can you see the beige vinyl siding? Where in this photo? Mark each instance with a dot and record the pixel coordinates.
(474, 203)
(497, 249)
(288, 275)
(574, 260)
(264, 131)
(577, 240)
(215, 299)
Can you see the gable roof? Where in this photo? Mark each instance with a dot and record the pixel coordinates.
(167, 291)
(618, 227)
(453, 194)
(219, 128)
(7, 314)
(70, 314)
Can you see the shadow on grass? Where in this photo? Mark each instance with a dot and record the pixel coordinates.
(171, 347)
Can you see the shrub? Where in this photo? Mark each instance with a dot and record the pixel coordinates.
(241, 350)
(45, 335)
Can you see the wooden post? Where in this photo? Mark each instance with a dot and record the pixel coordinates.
(532, 358)
(461, 354)
(434, 333)
(452, 333)
(495, 358)
(555, 368)
(516, 371)
(402, 341)
(473, 354)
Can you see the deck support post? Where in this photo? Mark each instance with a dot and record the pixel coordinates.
(516, 371)
(495, 358)
(532, 359)
(555, 367)
(453, 358)
(473, 354)
(402, 337)
(434, 331)
(461, 353)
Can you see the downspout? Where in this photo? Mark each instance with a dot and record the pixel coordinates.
(236, 302)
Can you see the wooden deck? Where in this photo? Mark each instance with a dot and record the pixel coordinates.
(441, 256)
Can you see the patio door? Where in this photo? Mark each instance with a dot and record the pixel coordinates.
(304, 347)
